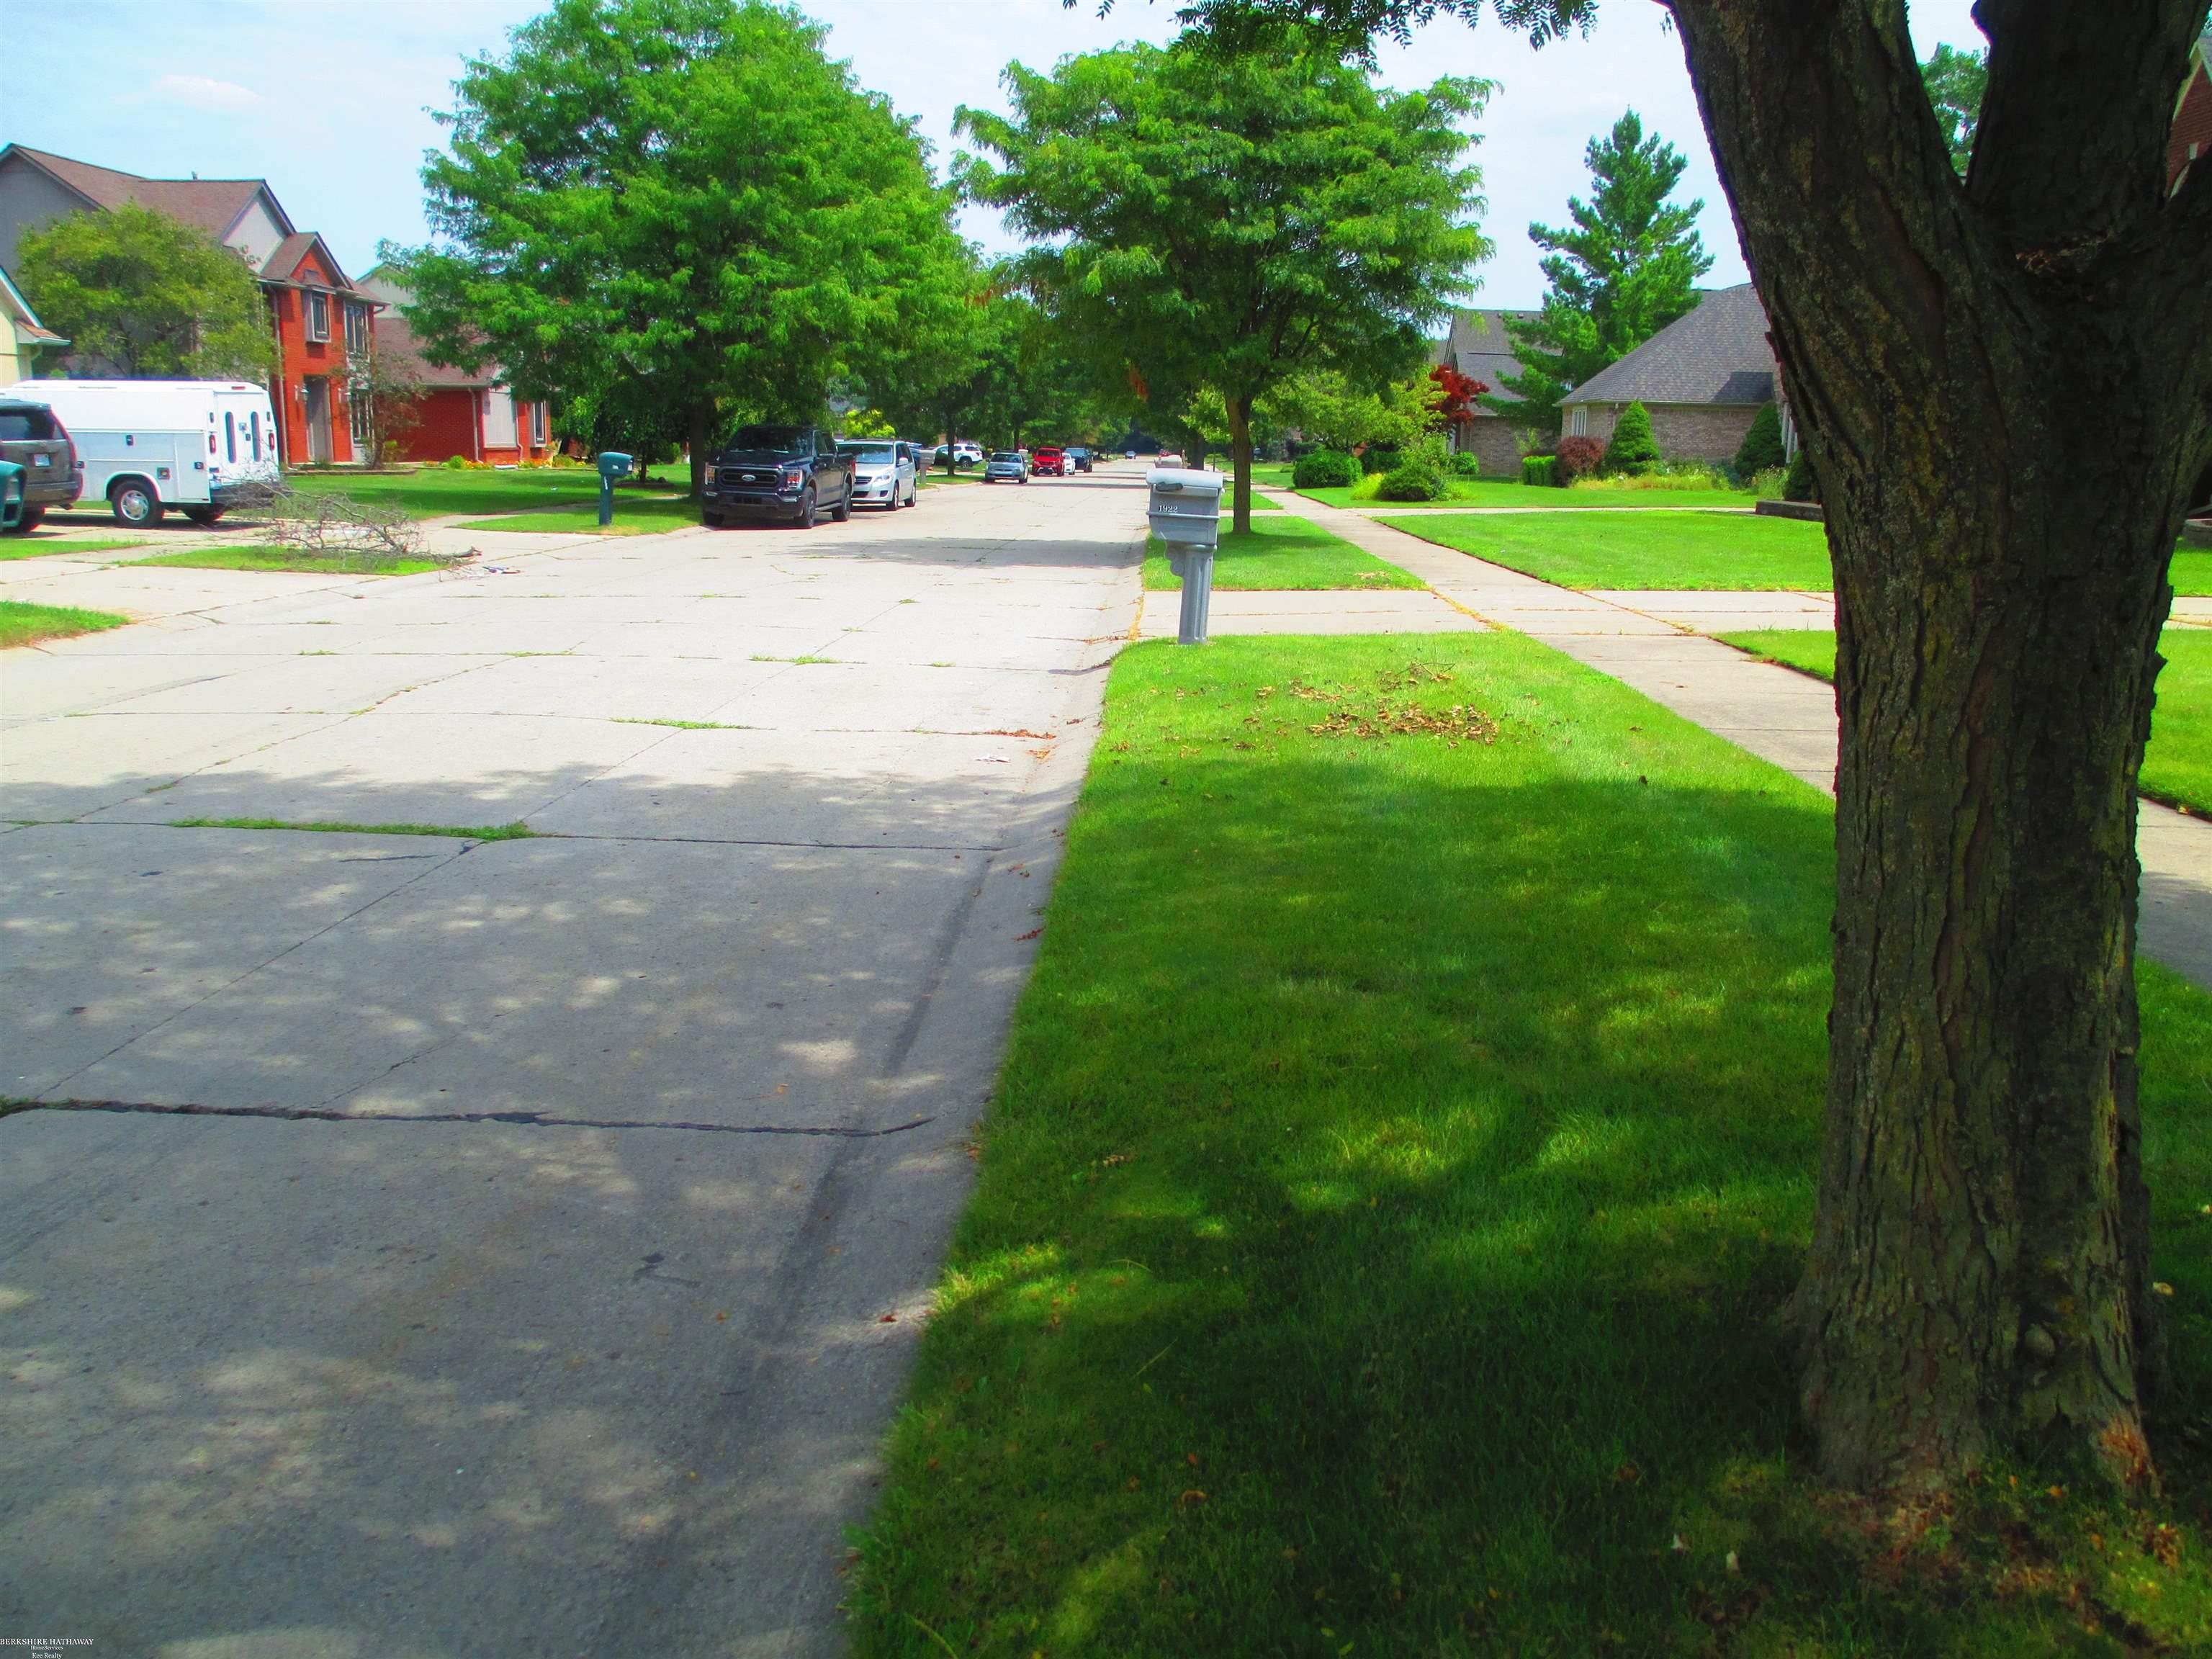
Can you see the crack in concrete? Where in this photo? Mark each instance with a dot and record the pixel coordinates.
(526, 1119)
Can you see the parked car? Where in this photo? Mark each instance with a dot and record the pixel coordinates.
(1078, 460)
(778, 472)
(1005, 466)
(147, 446)
(1168, 458)
(883, 472)
(33, 438)
(1049, 463)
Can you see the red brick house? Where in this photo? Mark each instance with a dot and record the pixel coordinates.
(320, 319)
(2191, 140)
(466, 412)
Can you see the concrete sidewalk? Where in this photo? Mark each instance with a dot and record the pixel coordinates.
(1781, 715)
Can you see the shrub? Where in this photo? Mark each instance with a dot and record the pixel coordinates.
(1325, 469)
(1372, 461)
(1770, 484)
(455, 464)
(1633, 450)
(1464, 464)
(1762, 445)
(1800, 484)
(1575, 457)
(1537, 470)
(1663, 478)
(1413, 481)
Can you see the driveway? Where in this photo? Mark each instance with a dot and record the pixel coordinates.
(465, 1246)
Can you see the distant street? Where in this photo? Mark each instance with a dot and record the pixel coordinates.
(543, 1269)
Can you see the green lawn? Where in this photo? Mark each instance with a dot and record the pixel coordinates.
(434, 491)
(27, 624)
(2191, 572)
(2178, 761)
(1642, 550)
(1403, 1147)
(635, 515)
(1280, 554)
(34, 547)
(284, 558)
(1499, 492)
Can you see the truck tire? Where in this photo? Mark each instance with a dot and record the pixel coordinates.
(135, 504)
(806, 509)
(843, 511)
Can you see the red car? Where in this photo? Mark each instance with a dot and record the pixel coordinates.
(1049, 463)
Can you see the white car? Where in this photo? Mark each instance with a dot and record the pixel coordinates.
(883, 472)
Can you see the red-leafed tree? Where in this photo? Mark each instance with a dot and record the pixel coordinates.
(1454, 397)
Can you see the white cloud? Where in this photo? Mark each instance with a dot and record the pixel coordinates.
(198, 92)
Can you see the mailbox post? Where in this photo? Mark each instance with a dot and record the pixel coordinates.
(1185, 513)
(612, 465)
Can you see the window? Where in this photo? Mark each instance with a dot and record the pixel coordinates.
(356, 327)
(1578, 421)
(538, 424)
(318, 316)
(229, 436)
(358, 411)
(254, 421)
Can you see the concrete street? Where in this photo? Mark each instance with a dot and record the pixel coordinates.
(512, 1247)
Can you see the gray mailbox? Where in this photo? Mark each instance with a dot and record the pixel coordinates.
(612, 464)
(1185, 510)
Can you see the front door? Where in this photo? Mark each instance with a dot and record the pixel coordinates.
(318, 421)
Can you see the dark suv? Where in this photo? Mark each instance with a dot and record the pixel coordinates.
(33, 436)
(789, 473)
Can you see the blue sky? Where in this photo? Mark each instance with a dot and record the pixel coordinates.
(330, 100)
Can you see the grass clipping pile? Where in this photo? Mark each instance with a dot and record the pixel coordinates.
(1460, 723)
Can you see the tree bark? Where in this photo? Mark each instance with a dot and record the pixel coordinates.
(698, 438)
(1240, 462)
(2005, 388)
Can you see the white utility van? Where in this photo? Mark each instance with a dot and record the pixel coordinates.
(148, 445)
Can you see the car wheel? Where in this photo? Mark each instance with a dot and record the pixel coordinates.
(134, 503)
(203, 516)
(806, 509)
(712, 521)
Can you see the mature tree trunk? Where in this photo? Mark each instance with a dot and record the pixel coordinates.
(2006, 388)
(701, 425)
(1240, 461)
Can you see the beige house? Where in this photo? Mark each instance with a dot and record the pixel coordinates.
(21, 337)
(1702, 377)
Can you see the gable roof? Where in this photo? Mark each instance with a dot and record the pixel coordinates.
(214, 205)
(285, 261)
(26, 323)
(1717, 354)
(1479, 347)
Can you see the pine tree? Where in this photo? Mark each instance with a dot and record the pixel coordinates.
(1633, 450)
(1762, 445)
(1626, 269)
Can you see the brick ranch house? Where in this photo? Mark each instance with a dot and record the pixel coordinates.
(2192, 139)
(319, 317)
(1479, 347)
(1702, 377)
(464, 412)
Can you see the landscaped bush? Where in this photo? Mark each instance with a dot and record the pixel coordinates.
(1770, 484)
(1464, 464)
(1663, 478)
(1413, 481)
(1372, 461)
(1575, 457)
(1800, 484)
(1762, 445)
(1537, 470)
(1325, 469)
(1633, 450)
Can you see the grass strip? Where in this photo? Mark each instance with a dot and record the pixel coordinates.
(2191, 573)
(635, 515)
(434, 491)
(1504, 492)
(22, 623)
(30, 547)
(262, 557)
(516, 831)
(1657, 549)
(685, 726)
(1282, 555)
(2177, 767)
(1403, 1147)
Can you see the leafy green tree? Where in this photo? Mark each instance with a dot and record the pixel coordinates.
(1956, 80)
(1632, 448)
(1979, 1281)
(148, 295)
(1761, 448)
(682, 201)
(1627, 268)
(1329, 408)
(1227, 223)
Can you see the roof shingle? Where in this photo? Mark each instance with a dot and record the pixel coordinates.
(1717, 354)
(211, 205)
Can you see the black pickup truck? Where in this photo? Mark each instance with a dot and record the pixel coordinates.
(789, 473)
